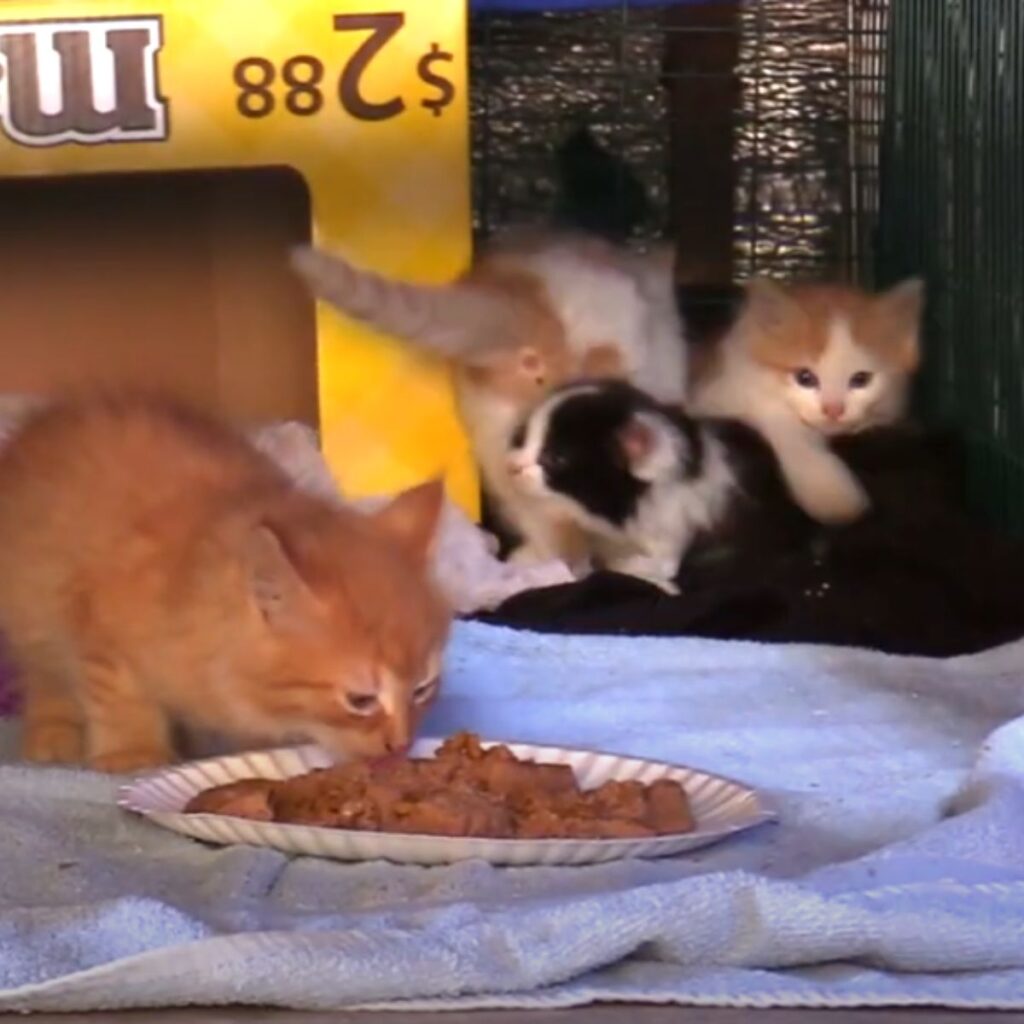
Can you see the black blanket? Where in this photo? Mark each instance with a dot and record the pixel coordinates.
(917, 575)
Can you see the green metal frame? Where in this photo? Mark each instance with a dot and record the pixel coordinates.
(952, 186)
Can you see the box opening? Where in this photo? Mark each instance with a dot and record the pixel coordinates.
(178, 280)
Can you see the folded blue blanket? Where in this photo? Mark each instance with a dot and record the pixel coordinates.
(896, 875)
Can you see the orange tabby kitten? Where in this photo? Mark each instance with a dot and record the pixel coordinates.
(156, 569)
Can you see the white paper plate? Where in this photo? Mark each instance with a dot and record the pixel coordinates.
(720, 806)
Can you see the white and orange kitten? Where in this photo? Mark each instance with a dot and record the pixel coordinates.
(807, 362)
(157, 571)
(535, 311)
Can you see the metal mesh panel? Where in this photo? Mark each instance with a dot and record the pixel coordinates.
(538, 76)
(790, 87)
(806, 139)
(953, 186)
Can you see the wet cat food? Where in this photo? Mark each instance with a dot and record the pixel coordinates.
(464, 790)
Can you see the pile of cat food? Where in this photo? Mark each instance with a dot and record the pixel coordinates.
(464, 790)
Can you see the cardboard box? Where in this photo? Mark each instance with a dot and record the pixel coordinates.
(157, 160)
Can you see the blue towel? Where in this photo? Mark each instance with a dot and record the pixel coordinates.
(896, 875)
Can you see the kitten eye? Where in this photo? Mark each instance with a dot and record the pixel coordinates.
(805, 378)
(425, 691)
(518, 438)
(361, 703)
(861, 379)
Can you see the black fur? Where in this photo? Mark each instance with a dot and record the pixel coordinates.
(916, 576)
(763, 515)
(598, 192)
(583, 459)
(582, 455)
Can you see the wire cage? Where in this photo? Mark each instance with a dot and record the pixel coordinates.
(858, 139)
(953, 208)
(753, 125)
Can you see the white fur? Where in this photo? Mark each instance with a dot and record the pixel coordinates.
(882, 401)
(537, 511)
(668, 519)
(602, 296)
(627, 302)
(674, 510)
(793, 419)
(490, 421)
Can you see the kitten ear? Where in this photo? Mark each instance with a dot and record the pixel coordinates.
(275, 583)
(413, 518)
(449, 320)
(768, 306)
(901, 309)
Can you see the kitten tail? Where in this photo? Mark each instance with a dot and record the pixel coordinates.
(448, 320)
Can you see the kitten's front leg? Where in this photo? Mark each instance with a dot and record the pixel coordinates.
(546, 539)
(52, 730)
(126, 731)
(819, 480)
(530, 553)
(658, 569)
(826, 488)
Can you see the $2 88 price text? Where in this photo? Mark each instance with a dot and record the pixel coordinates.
(301, 78)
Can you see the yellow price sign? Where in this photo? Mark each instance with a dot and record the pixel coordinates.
(369, 106)
(302, 76)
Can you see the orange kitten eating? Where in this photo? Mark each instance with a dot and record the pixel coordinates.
(157, 570)
(807, 362)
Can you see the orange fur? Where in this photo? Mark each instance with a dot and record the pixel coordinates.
(791, 324)
(806, 362)
(156, 569)
(533, 355)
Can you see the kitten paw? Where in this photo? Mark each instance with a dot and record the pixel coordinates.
(838, 505)
(641, 569)
(667, 586)
(664, 585)
(127, 762)
(528, 554)
(52, 743)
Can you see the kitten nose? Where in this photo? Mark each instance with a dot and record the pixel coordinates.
(398, 735)
(833, 410)
(516, 463)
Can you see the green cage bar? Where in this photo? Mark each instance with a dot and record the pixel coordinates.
(952, 207)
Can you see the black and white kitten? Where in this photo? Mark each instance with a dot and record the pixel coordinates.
(641, 480)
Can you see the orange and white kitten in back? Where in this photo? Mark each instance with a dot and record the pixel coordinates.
(536, 310)
(157, 570)
(807, 362)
